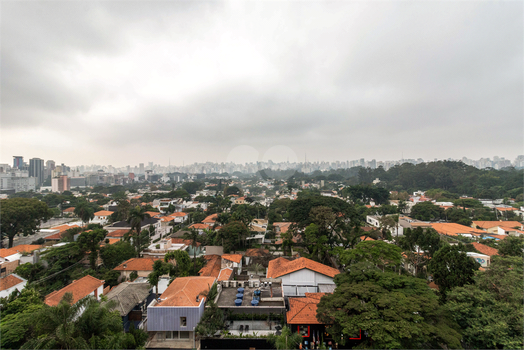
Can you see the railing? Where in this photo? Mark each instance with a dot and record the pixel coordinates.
(143, 325)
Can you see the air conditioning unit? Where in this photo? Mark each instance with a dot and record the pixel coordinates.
(240, 284)
(233, 284)
(251, 283)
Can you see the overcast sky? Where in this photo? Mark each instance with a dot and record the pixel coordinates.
(128, 82)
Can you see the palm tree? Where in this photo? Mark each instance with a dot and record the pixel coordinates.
(136, 216)
(287, 340)
(194, 236)
(85, 212)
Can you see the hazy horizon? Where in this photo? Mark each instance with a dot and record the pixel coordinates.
(124, 83)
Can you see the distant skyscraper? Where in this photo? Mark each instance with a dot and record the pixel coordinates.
(18, 162)
(36, 169)
(141, 168)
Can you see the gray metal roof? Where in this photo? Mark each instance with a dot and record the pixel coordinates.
(127, 295)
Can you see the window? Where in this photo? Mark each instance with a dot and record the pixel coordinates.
(169, 335)
(183, 322)
(184, 335)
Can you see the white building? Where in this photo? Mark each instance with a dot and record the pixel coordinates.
(10, 283)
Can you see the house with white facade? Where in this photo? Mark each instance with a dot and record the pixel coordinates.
(102, 217)
(80, 289)
(301, 275)
(10, 283)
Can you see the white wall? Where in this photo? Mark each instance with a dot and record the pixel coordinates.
(5, 293)
(303, 277)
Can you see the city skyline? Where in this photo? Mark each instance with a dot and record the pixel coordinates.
(95, 82)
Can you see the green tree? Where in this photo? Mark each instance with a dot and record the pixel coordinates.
(114, 254)
(192, 187)
(139, 237)
(233, 235)
(182, 266)
(90, 242)
(213, 318)
(286, 339)
(85, 212)
(316, 244)
(379, 253)
(22, 215)
(160, 268)
(512, 246)
(193, 236)
(451, 267)
(392, 311)
(490, 311)
(419, 246)
(427, 211)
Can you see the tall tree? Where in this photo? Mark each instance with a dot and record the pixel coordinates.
(286, 339)
(419, 246)
(160, 268)
(193, 236)
(90, 242)
(389, 310)
(379, 253)
(136, 217)
(85, 212)
(21, 215)
(451, 267)
(512, 246)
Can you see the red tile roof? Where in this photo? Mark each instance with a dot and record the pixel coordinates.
(183, 291)
(103, 213)
(117, 233)
(184, 241)
(304, 310)
(225, 274)
(26, 248)
(79, 288)
(254, 252)
(5, 252)
(200, 226)
(212, 267)
(452, 229)
(484, 249)
(167, 218)
(281, 266)
(136, 264)
(153, 213)
(179, 214)
(237, 258)
(489, 224)
(284, 226)
(69, 210)
(10, 281)
(210, 219)
(62, 229)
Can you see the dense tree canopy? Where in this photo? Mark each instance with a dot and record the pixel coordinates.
(392, 311)
(21, 216)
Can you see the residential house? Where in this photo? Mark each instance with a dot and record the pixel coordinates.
(159, 249)
(493, 226)
(197, 250)
(483, 259)
(452, 229)
(10, 283)
(486, 250)
(28, 252)
(232, 261)
(210, 219)
(58, 235)
(302, 318)
(131, 302)
(200, 227)
(240, 201)
(124, 225)
(9, 260)
(80, 289)
(102, 217)
(142, 266)
(171, 320)
(117, 234)
(301, 275)
(180, 217)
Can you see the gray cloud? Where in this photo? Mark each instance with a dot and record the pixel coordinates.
(129, 82)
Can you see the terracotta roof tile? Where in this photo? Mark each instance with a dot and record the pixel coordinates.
(281, 266)
(200, 226)
(62, 229)
(212, 267)
(304, 310)
(484, 249)
(5, 252)
(179, 214)
(237, 258)
(225, 274)
(167, 218)
(183, 291)
(257, 252)
(117, 233)
(187, 242)
(489, 224)
(26, 248)
(153, 213)
(103, 213)
(79, 288)
(452, 229)
(10, 281)
(69, 210)
(136, 264)
(210, 219)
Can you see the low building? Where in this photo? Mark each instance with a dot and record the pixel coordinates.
(10, 283)
(301, 275)
(302, 318)
(171, 320)
(131, 302)
(102, 217)
(80, 289)
(142, 266)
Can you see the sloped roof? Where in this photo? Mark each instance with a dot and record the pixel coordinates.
(127, 295)
(136, 264)
(187, 242)
(484, 249)
(237, 258)
(304, 310)
(284, 226)
(26, 248)
(5, 252)
(225, 274)
(184, 290)
(103, 213)
(453, 229)
(69, 210)
(489, 224)
(179, 214)
(200, 226)
(281, 266)
(62, 229)
(212, 267)
(117, 233)
(254, 252)
(10, 281)
(210, 219)
(79, 288)
(153, 213)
